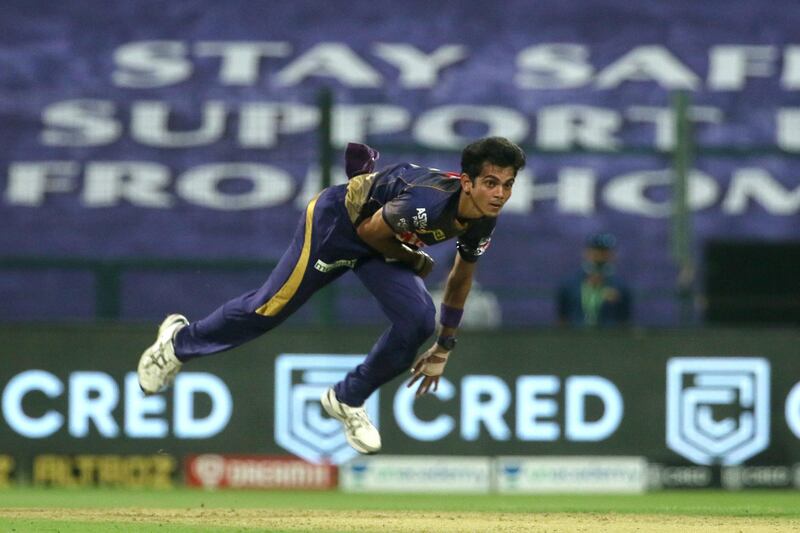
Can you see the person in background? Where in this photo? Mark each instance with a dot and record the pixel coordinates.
(595, 296)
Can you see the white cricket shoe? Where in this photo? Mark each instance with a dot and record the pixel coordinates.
(358, 429)
(158, 364)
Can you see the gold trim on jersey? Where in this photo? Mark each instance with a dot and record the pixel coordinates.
(288, 290)
(357, 194)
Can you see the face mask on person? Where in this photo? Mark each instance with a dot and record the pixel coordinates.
(602, 268)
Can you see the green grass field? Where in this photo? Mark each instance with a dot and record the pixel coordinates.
(96, 510)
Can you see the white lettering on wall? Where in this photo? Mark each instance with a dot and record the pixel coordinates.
(93, 404)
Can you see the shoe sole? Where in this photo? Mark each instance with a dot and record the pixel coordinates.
(356, 444)
(144, 355)
(168, 322)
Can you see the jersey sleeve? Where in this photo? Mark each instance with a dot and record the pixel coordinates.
(412, 209)
(472, 244)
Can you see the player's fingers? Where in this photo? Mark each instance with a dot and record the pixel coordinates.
(425, 386)
(416, 377)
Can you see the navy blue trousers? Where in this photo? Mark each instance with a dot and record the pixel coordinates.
(324, 246)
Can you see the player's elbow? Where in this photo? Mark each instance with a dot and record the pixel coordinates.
(364, 233)
(369, 237)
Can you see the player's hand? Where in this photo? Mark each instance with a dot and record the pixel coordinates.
(423, 263)
(429, 368)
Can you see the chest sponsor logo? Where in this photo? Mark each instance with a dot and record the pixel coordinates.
(421, 219)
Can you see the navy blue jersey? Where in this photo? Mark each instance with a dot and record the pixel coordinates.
(420, 204)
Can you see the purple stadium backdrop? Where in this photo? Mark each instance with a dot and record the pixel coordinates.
(189, 129)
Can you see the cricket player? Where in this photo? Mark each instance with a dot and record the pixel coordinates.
(377, 225)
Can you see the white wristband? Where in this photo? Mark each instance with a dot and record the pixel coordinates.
(435, 368)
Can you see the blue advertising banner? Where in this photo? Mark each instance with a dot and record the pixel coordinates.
(189, 130)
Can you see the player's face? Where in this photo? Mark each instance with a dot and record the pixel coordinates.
(491, 189)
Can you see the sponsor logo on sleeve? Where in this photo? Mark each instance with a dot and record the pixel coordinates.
(483, 245)
(479, 250)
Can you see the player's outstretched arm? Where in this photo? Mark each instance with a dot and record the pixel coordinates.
(459, 283)
(430, 366)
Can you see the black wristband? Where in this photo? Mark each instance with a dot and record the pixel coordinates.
(448, 343)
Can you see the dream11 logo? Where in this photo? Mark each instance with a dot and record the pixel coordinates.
(301, 425)
(718, 408)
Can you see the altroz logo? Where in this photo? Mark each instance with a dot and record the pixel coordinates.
(718, 408)
(301, 425)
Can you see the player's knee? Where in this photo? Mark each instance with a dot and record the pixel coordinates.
(428, 323)
(410, 331)
(422, 325)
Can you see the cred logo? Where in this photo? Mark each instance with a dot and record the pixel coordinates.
(718, 408)
(301, 427)
(37, 404)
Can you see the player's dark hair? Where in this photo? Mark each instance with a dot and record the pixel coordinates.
(497, 151)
